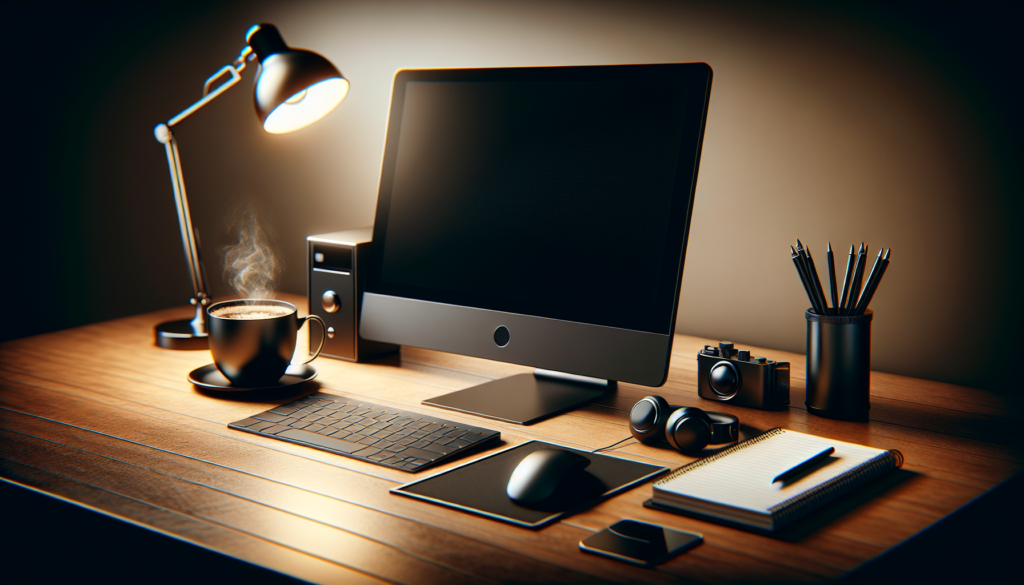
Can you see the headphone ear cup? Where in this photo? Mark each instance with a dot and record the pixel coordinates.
(647, 418)
(688, 429)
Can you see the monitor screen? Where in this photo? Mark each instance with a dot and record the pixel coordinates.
(559, 193)
(542, 198)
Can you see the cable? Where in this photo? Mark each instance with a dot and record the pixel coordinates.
(612, 445)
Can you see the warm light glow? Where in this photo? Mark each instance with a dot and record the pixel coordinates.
(307, 106)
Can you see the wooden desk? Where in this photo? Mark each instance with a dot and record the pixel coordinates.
(100, 416)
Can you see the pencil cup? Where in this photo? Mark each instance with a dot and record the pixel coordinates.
(838, 365)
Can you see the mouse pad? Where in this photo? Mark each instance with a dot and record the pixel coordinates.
(479, 486)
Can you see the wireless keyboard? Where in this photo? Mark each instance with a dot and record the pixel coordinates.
(362, 430)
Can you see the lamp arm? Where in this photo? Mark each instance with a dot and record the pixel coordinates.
(189, 235)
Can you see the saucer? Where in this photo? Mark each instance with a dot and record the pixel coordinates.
(210, 377)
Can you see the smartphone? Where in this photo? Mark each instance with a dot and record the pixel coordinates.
(640, 543)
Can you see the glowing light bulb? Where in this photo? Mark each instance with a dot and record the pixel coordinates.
(307, 106)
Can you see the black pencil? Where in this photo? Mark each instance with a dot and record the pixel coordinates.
(832, 279)
(844, 297)
(816, 281)
(881, 263)
(798, 262)
(812, 278)
(858, 276)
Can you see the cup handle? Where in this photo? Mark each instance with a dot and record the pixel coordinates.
(323, 337)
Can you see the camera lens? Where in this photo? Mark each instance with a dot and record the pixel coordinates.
(725, 380)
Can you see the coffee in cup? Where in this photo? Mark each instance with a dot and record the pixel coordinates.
(252, 341)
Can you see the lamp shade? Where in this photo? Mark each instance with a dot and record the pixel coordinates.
(294, 87)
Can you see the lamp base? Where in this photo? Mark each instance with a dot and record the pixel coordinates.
(180, 335)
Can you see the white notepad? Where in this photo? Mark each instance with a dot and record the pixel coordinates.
(736, 484)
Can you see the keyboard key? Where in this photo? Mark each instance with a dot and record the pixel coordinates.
(270, 417)
(444, 441)
(367, 452)
(406, 441)
(369, 440)
(419, 435)
(311, 418)
(289, 421)
(391, 460)
(460, 443)
(260, 426)
(274, 430)
(379, 456)
(315, 427)
(283, 410)
(328, 431)
(246, 422)
(300, 425)
(382, 444)
(440, 449)
(420, 444)
(420, 454)
(342, 435)
(395, 448)
(322, 441)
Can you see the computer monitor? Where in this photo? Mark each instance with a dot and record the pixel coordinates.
(537, 216)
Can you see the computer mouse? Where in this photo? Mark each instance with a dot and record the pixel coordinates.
(539, 475)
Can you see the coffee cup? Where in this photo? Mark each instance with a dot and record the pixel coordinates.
(252, 340)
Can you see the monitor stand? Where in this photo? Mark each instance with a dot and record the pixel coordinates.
(525, 398)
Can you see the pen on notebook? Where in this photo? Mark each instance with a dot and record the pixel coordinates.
(802, 467)
(844, 297)
(819, 306)
(832, 279)
(881, 263)
(799, 271)
(858, 276)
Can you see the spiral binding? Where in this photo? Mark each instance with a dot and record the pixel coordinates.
(712, 458)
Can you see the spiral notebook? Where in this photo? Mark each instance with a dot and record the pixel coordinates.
(741, 485)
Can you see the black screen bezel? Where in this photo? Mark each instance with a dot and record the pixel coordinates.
(696, 78)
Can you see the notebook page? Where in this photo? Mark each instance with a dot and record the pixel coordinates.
(743, 479)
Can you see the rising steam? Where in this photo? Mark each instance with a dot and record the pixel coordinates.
(250, 266)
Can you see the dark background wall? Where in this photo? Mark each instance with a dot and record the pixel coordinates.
(892, 123)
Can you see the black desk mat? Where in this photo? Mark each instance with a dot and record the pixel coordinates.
(478, 486)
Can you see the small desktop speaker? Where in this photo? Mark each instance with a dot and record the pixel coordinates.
(337, 264)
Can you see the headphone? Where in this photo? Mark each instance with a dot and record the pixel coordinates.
(686, 428)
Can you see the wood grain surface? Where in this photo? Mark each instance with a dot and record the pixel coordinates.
(100, 416)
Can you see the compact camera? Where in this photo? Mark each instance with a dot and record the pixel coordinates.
(725, 374)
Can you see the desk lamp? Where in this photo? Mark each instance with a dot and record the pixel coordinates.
(293, 89)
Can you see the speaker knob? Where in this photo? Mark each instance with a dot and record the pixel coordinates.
(331, 302)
